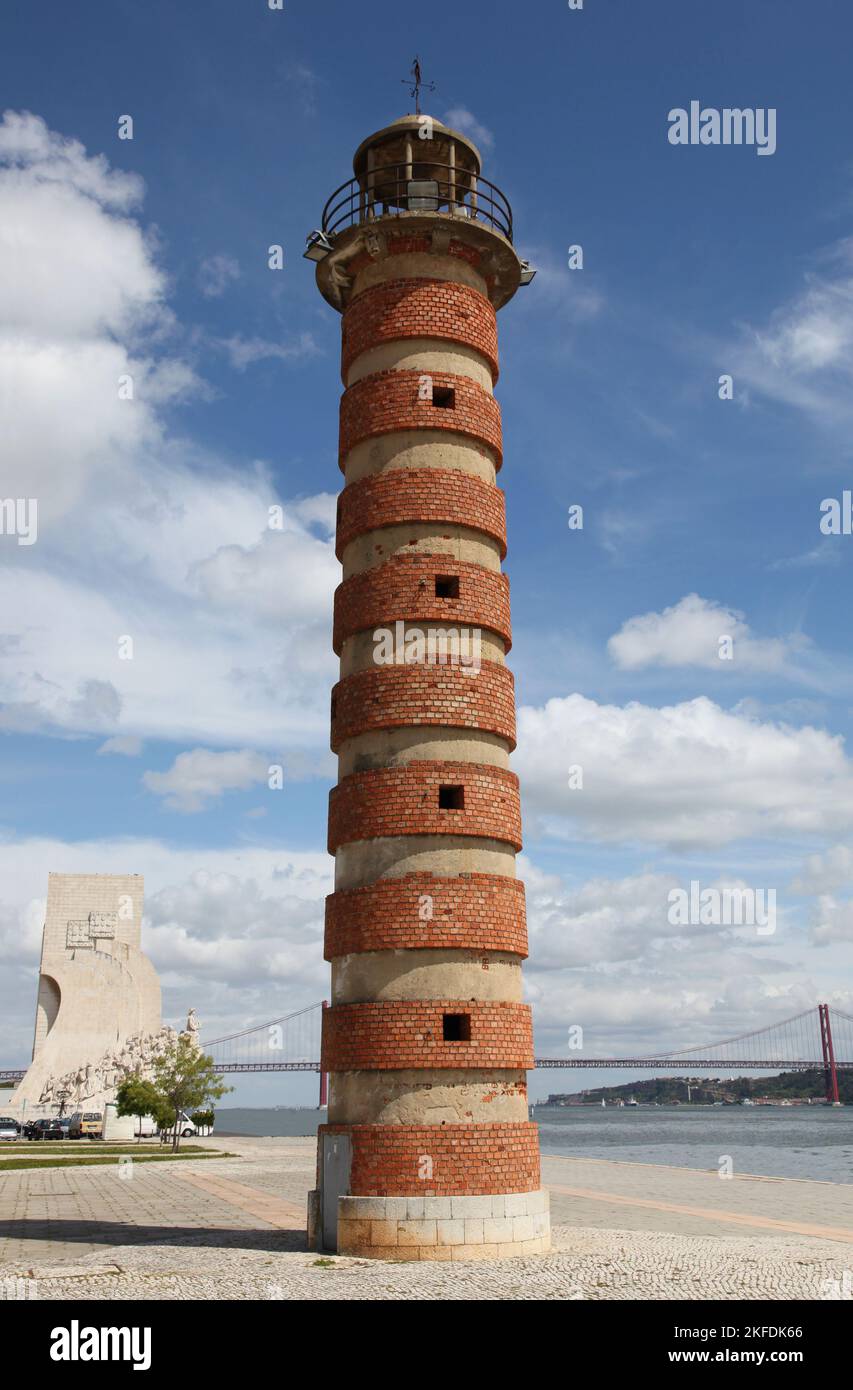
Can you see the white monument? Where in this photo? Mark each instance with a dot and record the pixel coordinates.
(98, 1011)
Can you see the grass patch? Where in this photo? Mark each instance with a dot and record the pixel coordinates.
(7, 1164)
(78, 1150)
(323, 1264)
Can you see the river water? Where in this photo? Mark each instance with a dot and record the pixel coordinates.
(773, 1141)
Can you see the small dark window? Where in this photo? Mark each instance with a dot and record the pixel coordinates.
(451, 798)
(447, 586)
(334, 706)
(457, 1028)
(444, 397)
(338, 512)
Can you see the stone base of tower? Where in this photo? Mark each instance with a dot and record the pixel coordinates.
(444, 1228)
(492, 1227)
(451, 1217)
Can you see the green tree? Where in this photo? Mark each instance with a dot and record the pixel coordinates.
(185, 1079)
(136, 1096)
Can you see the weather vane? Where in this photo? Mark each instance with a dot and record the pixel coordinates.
(416, 84)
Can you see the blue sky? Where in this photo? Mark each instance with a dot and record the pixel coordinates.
(701, 516)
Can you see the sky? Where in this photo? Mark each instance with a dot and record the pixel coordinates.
(146, 259)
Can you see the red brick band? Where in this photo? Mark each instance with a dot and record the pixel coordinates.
(419, 308)
(444, 495)
(393, 1034)
(390, 801)
(441, 1160)
(473, 912)
(388, 401)
(412, 696)
(404, 588)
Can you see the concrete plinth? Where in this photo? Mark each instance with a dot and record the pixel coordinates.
(445, 1228)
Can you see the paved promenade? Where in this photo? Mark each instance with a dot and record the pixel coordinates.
(235, 1229)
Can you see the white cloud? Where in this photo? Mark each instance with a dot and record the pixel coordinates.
(603, 920)
(319, 510)
(28, 144)
(216, 273)
(255, 577)
(832, 920)
(803, 355)
(200, 776)
(819, 556)
(306, 84)
(689, 633)
(572, 294)
(79, 290)
(272, 685)
(687, 775)
(607, 921)
(127, 747)
(823, 873)
(244, 352)
(141, 533)
(97, 277)
(636, 1012)
(460, 118)
(604, 957)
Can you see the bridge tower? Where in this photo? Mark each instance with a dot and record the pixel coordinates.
(428, 1151)
(829, 1069)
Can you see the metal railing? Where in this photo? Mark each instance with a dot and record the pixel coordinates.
(396, 188)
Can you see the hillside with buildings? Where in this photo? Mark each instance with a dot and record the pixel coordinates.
(797, 1087)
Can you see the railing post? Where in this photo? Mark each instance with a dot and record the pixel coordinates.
(370, 185)
(451, 182)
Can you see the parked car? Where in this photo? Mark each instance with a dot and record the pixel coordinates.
(50, 1129)
(34, 1129)
(86, 1124)
(9, 1128)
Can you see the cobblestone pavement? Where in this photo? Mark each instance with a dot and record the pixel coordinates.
(586, 1264)
(233, 1229)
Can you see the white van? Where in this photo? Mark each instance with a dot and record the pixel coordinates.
(146, 1127)
(117, 1128)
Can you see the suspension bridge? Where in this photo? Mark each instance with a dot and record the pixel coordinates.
(818, 1039)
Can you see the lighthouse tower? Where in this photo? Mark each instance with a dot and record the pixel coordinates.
(428, 1152)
